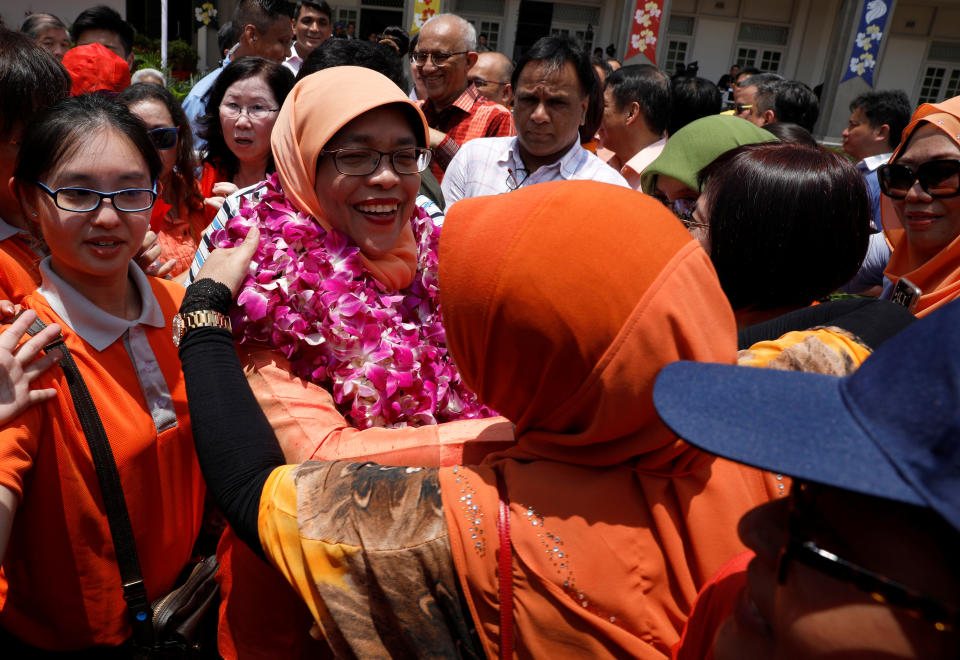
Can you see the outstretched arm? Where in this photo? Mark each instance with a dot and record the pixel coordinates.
(236, 447)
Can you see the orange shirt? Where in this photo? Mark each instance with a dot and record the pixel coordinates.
(60, 586)
(18, 267)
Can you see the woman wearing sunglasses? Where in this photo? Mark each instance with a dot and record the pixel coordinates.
(86, 176)
(177, 217)
(240, 113)
(921, 212)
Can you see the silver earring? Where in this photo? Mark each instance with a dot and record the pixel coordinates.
(34, 214)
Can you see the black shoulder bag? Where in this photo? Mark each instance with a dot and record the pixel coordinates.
(179, 624)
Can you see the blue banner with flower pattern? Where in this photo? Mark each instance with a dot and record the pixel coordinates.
(863, 60)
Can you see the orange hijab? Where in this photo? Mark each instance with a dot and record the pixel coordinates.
(317, 107)
(939, 276)
(561, 320)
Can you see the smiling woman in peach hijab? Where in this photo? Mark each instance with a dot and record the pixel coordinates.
(339, 324)
(921, 209)
(614, 522)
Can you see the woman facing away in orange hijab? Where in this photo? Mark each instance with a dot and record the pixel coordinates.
(605, 522)
(921, 209)
(339, 324)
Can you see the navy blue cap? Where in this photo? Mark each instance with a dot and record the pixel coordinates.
(891, 429)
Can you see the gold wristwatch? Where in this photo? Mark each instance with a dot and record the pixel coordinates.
(206, 318)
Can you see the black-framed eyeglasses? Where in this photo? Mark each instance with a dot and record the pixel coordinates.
(83, 200)
(256, 111)
(164, 137)
(480, 83)
(740, 107)
(515, 178)
(360, 162)
(938, 178)
(882, 589)
(439, 57)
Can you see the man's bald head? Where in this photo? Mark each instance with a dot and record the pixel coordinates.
(451, 24)
(491, 75)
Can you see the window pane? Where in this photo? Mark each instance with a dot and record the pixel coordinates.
(681, 25)
(932, 81)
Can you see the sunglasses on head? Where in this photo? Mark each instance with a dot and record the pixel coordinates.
(164, 138)
(938, 178)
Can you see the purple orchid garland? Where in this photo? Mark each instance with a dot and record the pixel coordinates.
(382, 354)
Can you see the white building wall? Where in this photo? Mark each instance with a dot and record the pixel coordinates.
(713, 40)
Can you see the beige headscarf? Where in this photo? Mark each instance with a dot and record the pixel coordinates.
(317, 107)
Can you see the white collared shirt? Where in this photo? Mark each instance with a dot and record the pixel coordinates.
(491, 166)
(100, 330)
(294, 61)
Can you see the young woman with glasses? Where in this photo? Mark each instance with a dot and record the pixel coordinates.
(240, 114)
(87, 177)
(177, 217)
(921, 209)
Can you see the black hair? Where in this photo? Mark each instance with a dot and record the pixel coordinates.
(748, 71)
(227, 36)
(765, 96)
(555, 51)
(280, 81)
(63, 128)
(183, 180)
(399, 36)
(320, 6)
(31, 79)
(414, 40)
(788, 223)
(647, 86)
(594, 115)
(261, 14)
(890, 107)
(354, 52)
(693, 98)
(795, 102)
(789, 132)
(38, 23)
(102, 17)
(603, 65)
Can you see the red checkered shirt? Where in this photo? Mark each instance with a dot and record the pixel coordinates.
(470, 116)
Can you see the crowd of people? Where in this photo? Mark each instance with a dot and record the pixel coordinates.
(442, 354)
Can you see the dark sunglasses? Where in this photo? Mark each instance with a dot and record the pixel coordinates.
(938, 178)
(799, 548)
(165, 137)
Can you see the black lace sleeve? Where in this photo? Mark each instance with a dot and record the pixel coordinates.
(235, 444)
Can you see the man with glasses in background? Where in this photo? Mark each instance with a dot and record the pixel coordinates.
(491, 76)
(455, 110)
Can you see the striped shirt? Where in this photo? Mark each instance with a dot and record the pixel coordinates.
(493, 166)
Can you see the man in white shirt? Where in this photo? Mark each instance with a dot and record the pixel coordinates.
(553, 82)
(636, 109)
(312, 25)
(877, 120)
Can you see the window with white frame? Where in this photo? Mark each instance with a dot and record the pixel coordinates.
(679, 37)
(489, 28)
(941, 77)
(577, 21)
(347, 16)
(764, 48)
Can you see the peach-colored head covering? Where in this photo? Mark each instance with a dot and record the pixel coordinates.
(561, 318)
(938, 277)
(317, 107)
